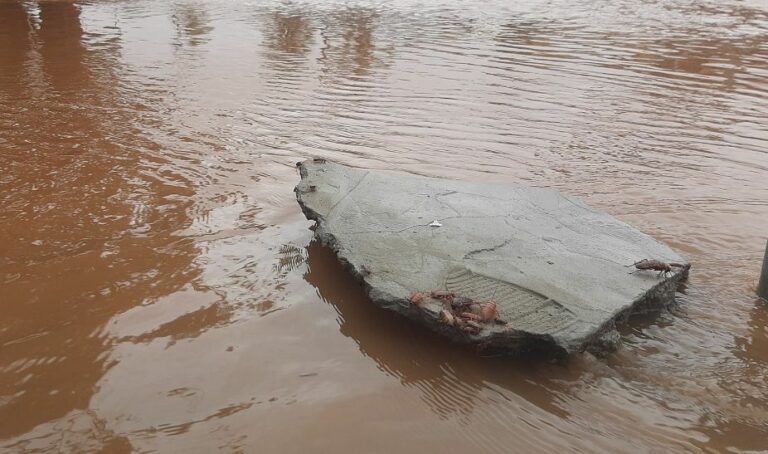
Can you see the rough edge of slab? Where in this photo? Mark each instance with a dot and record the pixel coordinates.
(606, 339)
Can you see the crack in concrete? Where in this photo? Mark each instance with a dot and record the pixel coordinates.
(489, 249)
(350, 191)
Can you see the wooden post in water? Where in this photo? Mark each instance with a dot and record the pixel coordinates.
(762, 286)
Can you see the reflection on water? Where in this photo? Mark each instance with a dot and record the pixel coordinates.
(355, 53)
(89, 236)
(450, 377)
(15, 45)
(289, 33)
(159, 287)
(192, 25)
(60, 34)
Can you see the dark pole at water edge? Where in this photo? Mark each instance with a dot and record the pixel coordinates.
(762, 286)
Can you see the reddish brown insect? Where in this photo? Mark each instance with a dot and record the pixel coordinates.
(488, 311)
(418, 297)
(471, 316)
(447, 318)
(443, 295)
(684, 266)
(471, 327)
(657, 265)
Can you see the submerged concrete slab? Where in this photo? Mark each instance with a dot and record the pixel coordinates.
(556, 268)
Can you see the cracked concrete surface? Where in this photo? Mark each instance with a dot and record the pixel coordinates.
(556, 267)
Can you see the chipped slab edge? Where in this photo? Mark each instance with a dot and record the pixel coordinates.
(606, 339)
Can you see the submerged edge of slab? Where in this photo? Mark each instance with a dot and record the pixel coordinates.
(557, 268)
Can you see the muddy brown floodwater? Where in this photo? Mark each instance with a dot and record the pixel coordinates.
(159, 290)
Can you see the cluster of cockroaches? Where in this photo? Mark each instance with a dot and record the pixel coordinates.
(464, 313)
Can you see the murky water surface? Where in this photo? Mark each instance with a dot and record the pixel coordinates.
(159, 290)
